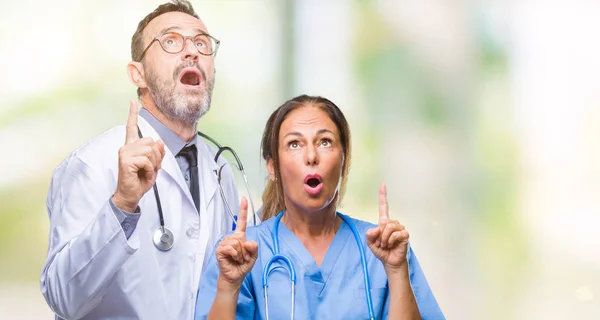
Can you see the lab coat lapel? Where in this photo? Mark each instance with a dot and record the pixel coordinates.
(169, 164)
(207, 173)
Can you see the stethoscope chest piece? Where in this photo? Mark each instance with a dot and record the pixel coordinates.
(163, 239)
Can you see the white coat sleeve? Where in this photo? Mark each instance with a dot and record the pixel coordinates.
(87, 245)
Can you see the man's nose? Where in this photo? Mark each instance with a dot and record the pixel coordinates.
(190, 52)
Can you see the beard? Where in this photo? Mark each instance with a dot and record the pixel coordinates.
(186, 106)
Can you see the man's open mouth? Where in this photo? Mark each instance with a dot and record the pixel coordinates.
(190, 77)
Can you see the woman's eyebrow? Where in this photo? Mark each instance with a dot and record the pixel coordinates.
(294, 133)
(324, 131)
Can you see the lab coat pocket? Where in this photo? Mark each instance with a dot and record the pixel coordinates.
(358, 308)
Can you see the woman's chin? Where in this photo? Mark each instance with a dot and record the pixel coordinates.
(317, 203)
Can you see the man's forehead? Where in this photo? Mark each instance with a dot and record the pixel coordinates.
(174, 21)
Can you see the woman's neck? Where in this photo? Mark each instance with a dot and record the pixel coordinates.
(315, 229)
(312, 224)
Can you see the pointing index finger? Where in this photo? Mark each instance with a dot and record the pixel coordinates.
(383, 204)
(131, 130)
(242, 217)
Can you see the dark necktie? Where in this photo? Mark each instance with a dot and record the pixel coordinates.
(190, 153)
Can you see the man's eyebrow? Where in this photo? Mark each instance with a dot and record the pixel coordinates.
(200, 31)
(167, 29)
(178, 28)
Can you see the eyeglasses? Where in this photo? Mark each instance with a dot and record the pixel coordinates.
(173, 42)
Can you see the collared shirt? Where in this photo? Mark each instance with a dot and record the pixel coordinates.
(174, 143)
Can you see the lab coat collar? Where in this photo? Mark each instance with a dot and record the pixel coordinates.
(207, 172)
(170, 138)
(207, 167)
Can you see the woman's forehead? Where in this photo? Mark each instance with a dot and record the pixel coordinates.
(306, 120)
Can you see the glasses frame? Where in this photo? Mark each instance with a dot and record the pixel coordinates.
(185, 38)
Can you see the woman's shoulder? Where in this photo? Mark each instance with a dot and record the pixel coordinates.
(361, 225)
(253, 231)
(265, 227)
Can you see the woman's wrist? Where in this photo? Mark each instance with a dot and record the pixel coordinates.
(397, 272)
(226, 286)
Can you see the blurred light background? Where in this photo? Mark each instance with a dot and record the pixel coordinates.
(483, 117)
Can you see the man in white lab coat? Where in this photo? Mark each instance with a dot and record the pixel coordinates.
(109, 256)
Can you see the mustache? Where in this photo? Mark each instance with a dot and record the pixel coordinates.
(188, 64)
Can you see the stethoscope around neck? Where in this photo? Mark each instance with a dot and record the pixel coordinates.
(292, 271)
(162, 237)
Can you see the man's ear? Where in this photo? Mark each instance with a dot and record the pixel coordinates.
(271, 168)
(135, 70)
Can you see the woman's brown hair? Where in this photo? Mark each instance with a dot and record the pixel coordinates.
(273, 200)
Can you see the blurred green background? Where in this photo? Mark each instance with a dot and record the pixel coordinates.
(481, 116)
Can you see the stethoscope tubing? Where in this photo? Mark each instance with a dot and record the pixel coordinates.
(292, 272)
(165, 241)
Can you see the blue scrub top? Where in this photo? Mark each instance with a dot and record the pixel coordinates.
(333, 291)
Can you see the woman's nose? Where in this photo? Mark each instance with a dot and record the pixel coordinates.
(311, 156)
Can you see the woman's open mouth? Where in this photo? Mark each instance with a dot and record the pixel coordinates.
(313, 184)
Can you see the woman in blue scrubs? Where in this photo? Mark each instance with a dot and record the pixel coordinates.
(306, 145)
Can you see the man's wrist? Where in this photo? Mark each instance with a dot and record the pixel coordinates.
(121, 203)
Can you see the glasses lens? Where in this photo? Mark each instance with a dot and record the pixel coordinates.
(172, 42)
(205, 44)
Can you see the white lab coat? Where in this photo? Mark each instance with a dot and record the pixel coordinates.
(93, 271)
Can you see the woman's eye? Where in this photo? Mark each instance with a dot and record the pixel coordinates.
(294, 144)
(326, 143)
